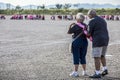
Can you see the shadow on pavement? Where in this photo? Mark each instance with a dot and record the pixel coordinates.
(111, 78)
(87, 78)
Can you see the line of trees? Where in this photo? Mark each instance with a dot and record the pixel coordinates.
(60, 9)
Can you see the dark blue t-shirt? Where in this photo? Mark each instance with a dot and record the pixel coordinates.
(99, 32)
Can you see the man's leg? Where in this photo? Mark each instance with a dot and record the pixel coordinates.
(97, 60)
(97, 63)
(103, 61)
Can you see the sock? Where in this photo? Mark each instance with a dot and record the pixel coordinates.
(104, 68)
(75, 71)
(97, 72)
(84, 72)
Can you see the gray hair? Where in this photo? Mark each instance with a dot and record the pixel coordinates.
(92, 12)
(80, 16)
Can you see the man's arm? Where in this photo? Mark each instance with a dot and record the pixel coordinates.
(91, 28)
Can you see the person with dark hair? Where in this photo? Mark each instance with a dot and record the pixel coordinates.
(2, 17)
(79, 44)
(43, 17)
(100, 38)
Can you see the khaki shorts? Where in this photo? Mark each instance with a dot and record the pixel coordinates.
(99, 51)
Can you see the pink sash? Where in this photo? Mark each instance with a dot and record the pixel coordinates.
(84, 30)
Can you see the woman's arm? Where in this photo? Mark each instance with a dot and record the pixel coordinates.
(70, 27)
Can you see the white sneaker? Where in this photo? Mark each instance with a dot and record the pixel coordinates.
(74, 74)
(85, 74)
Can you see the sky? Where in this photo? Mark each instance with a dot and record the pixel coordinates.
(49, 2)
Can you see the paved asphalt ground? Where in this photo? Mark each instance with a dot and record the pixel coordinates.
(39, 50)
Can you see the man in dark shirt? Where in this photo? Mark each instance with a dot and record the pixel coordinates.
(98, 31)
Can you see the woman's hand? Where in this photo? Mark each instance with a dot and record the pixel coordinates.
(71, 25)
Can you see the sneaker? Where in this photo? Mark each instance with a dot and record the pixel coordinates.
(74, 74)
(95, 76)
(84, 74)
(105, 72)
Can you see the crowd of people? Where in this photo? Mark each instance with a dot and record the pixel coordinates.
(111, 17)
(65, 17)
(16, 17)
(27, 17)
(2, 17)
(55, 17)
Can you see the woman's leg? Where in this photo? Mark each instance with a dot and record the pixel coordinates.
(84, 67)
(76, 56)
(76, 67)
(76, 61)
(83, 52)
